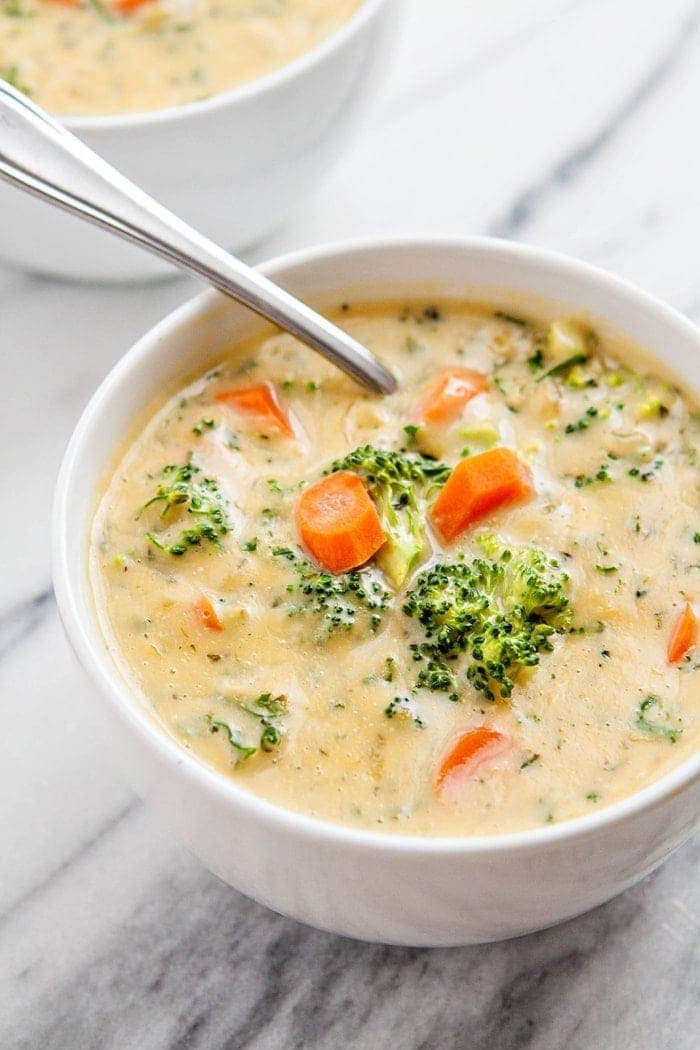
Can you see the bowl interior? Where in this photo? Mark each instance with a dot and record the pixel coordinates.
(196, 334)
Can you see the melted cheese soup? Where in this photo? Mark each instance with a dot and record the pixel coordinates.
(468, 607)
(77, 57)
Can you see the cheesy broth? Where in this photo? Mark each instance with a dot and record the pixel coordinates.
(326, 693)
(118, 56)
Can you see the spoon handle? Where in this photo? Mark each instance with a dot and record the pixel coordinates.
(40, 156)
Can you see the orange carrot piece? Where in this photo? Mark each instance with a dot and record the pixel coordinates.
(684, 635)
(448, 392)
(261, 401)
(477, 486)
(473, 748)
(207, 615)
(338, 522)
(125, 7)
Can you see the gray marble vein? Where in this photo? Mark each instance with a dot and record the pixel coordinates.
(194, 965)
(81, 851)
(575, 162)
(17, 622)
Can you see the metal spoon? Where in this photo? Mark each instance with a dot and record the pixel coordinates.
(40, 156)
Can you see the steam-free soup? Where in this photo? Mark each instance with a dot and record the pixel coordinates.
(78, 57)
(468, 607)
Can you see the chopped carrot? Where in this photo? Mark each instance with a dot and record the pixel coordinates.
(207, 615)
(261, 401)
(684, 635)
(125, 7)
(338, 522)
(478, 485)
(471, 750)
(448, 392)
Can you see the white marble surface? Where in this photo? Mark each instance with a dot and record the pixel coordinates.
(568, 123)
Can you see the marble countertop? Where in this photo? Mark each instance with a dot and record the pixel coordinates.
(566, 123)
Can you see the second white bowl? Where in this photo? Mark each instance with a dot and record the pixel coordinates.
(232, 166)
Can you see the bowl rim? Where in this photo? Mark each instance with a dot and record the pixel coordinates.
(89, 646)
(241, 93)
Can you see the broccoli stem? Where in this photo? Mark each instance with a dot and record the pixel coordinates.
(400, 484)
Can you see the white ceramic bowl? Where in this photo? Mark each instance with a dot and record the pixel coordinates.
(233, 165)
(405, 890)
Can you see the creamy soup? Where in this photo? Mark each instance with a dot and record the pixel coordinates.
(78, 57)
(468, 607)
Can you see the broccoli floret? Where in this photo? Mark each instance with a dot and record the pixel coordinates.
(500, 613)
(399, 484)
(182, 488)
(438, 677)
(341, 601)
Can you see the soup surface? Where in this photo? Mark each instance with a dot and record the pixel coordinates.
(464, 608)
(78, 57)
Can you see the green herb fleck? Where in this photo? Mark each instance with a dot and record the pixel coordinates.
(16, 9)
(404, 707)
(204, 424)
(536, 362)
(12, 75)
(241, 751)
(511, 318)
(266, 710)
(650, 705)
(583, 423)
(564, 367)
(584, 480)
(102, 11)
